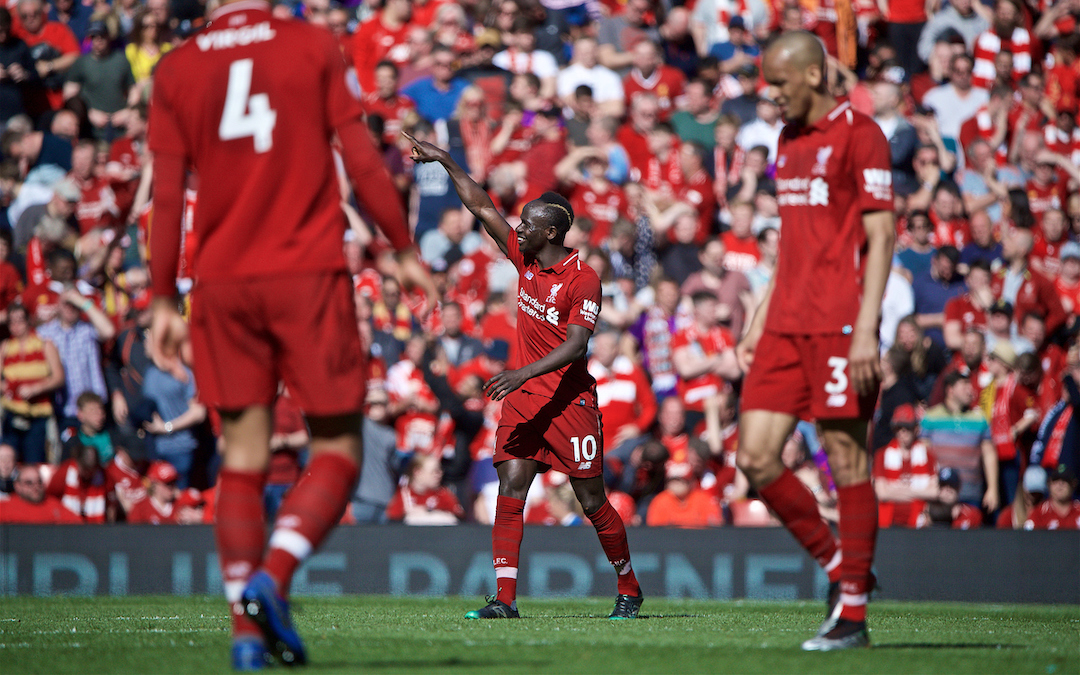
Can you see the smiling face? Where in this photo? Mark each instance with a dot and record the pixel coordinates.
(791, 84)
(534, 232)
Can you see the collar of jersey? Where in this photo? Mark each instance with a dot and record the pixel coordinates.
(829, 118)
(560, 267)
(241, 5)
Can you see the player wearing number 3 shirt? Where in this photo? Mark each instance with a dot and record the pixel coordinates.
(811, 351)
(251, 104)
(550, 416)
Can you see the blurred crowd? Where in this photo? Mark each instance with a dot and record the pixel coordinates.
(654, 120)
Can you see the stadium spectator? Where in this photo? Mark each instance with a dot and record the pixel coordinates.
(378, 482)
(29, 504)
(80, 483)
(967, 312)
(968, 18)
(32, 370)
(124, 475)
(934, 290)
(60, 208)
(77, 342)
(190, 507)
(959, 437)
(627, 403)
(176, 412)
(1024, 288)
(382, 37)
(1006, 34)
(729, 287)
(9, 465)
(53, 48)
(437, 96)
(682, 503)
(159, 507)
(451, 240)
(17, 66)
(649, 74)
(91, 428)
(585, 68)
(423, 500)
(947, 510)
(905, 473)
(956, 102)
(101, 80)
(522, 56)
(1060, 511)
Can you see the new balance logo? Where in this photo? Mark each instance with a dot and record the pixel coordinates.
(836, 401)
(584, 466)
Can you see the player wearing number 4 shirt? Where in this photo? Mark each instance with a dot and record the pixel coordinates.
(273, 299)
(811, 350)
(550, 416)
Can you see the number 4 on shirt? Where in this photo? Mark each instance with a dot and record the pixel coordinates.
(246, 114)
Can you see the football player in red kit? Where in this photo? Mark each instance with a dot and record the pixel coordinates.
(812, 349)
(273, 300)
(550, 416)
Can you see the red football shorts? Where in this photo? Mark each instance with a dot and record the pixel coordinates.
(563, 436)
(247, 335)
(806, 376)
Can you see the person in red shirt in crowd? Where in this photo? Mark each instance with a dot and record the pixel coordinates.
(633, 135)
(11, 283)
(159, 507)
(969, 359)
(1014, 421)
(905, 473)
(383, 37)
(1031, 111)
(650, 75)
(1053, 359)
(123, 472)
(703, 353)
(741, 244)
(731, 288)
(697, 188)
(661, 174)
(54, 49)
(80, 484)
(593, 196)
(190, 507)
(98, 207)
(257, 127)
(947, 216)
(29, 504)
(550, 407)
(1006, 34)
(991, 123)
(683, 503)
(969, 311)
(815, 355)
(423, 500)
(1036, 293)
(1068, 281)
(947, 510)
(627, 403)
(1049, 238)
(385, 101)
(1060, 511)
(413, 405)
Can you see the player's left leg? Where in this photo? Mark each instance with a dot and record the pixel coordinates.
(844, 442)
(307, 515)
(612, 535)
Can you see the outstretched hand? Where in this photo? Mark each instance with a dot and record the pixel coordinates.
(422, 151)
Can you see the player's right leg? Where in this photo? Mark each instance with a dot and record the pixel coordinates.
(240, 527)
(515, 477)
(762, 434)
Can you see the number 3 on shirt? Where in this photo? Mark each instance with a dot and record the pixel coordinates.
(246, 114)
(838, 383)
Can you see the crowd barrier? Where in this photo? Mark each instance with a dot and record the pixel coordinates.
(722, 564)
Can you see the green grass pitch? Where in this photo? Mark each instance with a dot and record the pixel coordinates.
(398, 635)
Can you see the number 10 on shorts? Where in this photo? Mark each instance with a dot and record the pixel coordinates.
(584, 448)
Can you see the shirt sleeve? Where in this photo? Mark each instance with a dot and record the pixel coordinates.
(585, 303)
(872, 167)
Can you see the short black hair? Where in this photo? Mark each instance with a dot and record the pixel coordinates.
(557, 213)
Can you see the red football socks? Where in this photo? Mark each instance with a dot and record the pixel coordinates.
(506, 546)
(798, 511)
(858, 534)
(240, 531)
(612, 535)
(311, 509)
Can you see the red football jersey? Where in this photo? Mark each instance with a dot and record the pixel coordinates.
(1042, 198)
(1070, 295)
(256, 125)
(962, 309)
(393, 111)
(603, 208)
(1044, 517)
(827, 175)
(666, 84)
(916, 468)
(716, 341)
(549, 300)
(374, 42)
(147, 512)
(742, 255)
